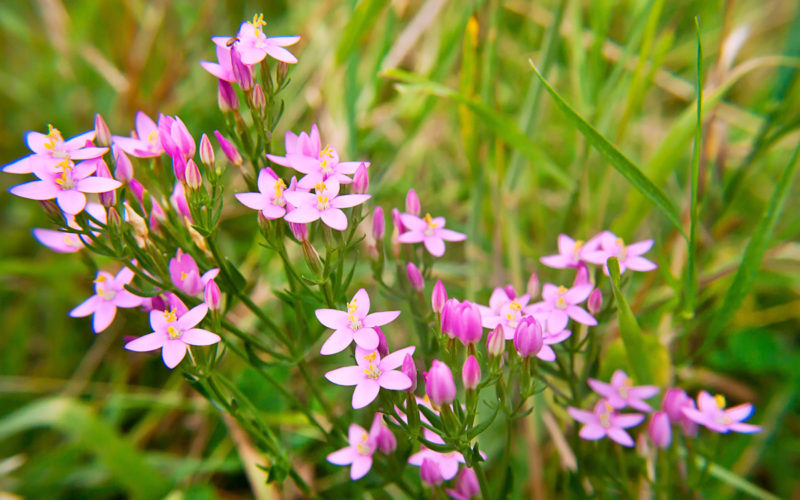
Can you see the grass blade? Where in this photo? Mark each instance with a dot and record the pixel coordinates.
(362, 20)
(618, 160)
(691, 264)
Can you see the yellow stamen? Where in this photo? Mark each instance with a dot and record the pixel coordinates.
(170, 315)
(578, 246)
(320, 187)
(429, 220)
(351, 306)
(279, 187)
(515, 306)
(53, 136)
(152, 136)
(371, 356)
(183, 276)
(561, 290)
(173, 332)
(258, 21)
(327, 151)
(720, 400)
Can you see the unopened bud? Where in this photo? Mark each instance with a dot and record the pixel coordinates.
(312, 257)
(414, 277)
(137, 189)
(581, 275)
(438, 297)
(410, 371)
(412, 203)
(102, 136)
(259, 100)
(659, 430)
(386, 441)
(206, 153)
(226, 97)
(595, 302)
(229, 149)
(123, 168)
(108, 198)
(179, 167)
(378, 224)
(533, 286)
(281, 72)
(51, 209)
(197, 238)
(528, 339)
(241, 71)
(496, 343)
(471, 373)
(398, 223)
(383, 346)
(361, 179)
(112, 218)
(300, 231)
(429, 472)
(193, 178)
(212, 295)
(139, 225)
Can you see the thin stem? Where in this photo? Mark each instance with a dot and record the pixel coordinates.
(481, 480)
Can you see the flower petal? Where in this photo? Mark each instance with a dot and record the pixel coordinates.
(346, 375)
(198, 336)
(450, 235)
(349, 200)
(337, 342)
(395, 359)
(71, 201)
(592, 432)
(97, 185)
(173, 352)
(149, 342)
(361, 465)
(365, 393)
(435, 245)
(36, 190)
(394, 380)
(381, 318)
(411, 237)
(620, 436)
(582, 416)
(256, 201)
(86, 307)
(334, 218)
(344, 456)
(194, 316)
(332, 318)
(367, 338)
(103, 315)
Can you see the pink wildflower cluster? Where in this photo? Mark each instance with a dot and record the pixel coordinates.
(597, 250)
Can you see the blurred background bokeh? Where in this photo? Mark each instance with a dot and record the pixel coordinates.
(628, 67)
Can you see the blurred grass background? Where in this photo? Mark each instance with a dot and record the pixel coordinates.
(628, 67)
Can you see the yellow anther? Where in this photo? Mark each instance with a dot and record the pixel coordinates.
(620, 242)
(561, 290)
(429, 220)
(53, 136)
(371, 357)
(561, 303)
(578, 246)
(515, 306)
(320, 187)
(173, 332)
(183, 276)
(258, 21)
(327, 151)
(100, 279)
(152, 136)
(279, 187)
(608, 406)
(720, 400)
(352, 306)
(170, 315)
(364, 436)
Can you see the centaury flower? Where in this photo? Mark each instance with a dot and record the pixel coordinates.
(254, 45)
(604, 421)
(145, 142)
(51, 149)
(109, 294)
(269, 198)
(354, 324)
(561, 303)
(325, 203)
(621, 392)
(371, 373)
(430, 231)
(629, 256)
(186, 275)
(358, 455)
(711, 413)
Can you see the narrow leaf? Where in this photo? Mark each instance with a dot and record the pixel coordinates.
(691, 264)
(360, 22)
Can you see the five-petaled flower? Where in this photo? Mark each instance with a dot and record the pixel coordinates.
(354, 324)
(711, 413)
(186, 275)
(51, 149)
(430, 231)
(629, 256)
(253, 45)
(371, 373)
(560, 304)
(325, 203)
(269, 199)
(109, 294)
(621, 392)
(172, 332)
(145, 142)
(604, 421)
(358, 455)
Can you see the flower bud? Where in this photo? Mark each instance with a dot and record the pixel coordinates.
(659, 429)
(412, 203)
(197, 238)
(165, 136)
(361, 179)
(241, 72)
(229, 149)
(137, 189)
(528, 339)
(102, 136)
(107, 198)
(449, 321)
(138, 223)
(212, 295)
(398, 224)
(179, 202)
(466, 486)
(193, 178)
(469, 329)
(312, 257)
(439, 384)
(510, 292)
(259, 100)
(386, 441)
(533, 286)
(226, 97)
(471, 373)
(409, 369)
(595, 302)
(383, 346)
(414, 277)
(206, 152)
(581, 275)
(299, 230)
(182, 138)
(281, 72)
(496, 342)
(113, 219)
(123, 168)
(378, 224)
(179, 167)
(675, 400)
(429, 472)
(395, 244)
(438, 297)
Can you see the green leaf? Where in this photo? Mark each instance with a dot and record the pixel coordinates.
(502, 125)
(691, 264)
(360, 22)
(117, 455)
(734, 480)
(618, 160)
(753, 254)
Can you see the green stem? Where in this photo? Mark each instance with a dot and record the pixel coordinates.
(481, 480)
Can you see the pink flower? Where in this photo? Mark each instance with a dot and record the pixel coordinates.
(269, 198)
(222, 69)
(66, 242)
(659, 430)
(51, 149)
(145, 142)
(603, 421)
(569, 253)
(358, 455)
(528, 337)
(371, 373)
(504, 310)
(67, 183)
(675, 400)
(621, 392)
(179, 202)
(173, 332)
(109, 294)
(712, 414)
(467, 485)
(629, 256)
(439, 385)
(254, 45)
(560, 304)
(429, 472)
(354, 324)
(186, 276)
(447, 462)
(430, 231)
(325, 203)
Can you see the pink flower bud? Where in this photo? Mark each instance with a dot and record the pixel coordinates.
(183, 139)
(595, 302)
(108, 198)
(510, 292)
(229, 149)
(659, 429)
(467, 485)
(259, 100)
(471, 373)
(212, 295)
(439, 384)
(226, 97)
(179, 167)
(398, 224)
(137, 189)
(429, 472)
(496, 342)
(438, 297)
(361, 179)
(165, 136)
(533, 286)
(300, 231)
(528, 339)
(581, 275)
(193, 178)
(378, 224)
(383, 346)
(206, 152)
(469, 329)
(102, 136)
(414, 277)
(409, 369)
(123, 168)
(675, 400)
(386, 441)
(449, 322)
(241, 71)
(412, 203)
